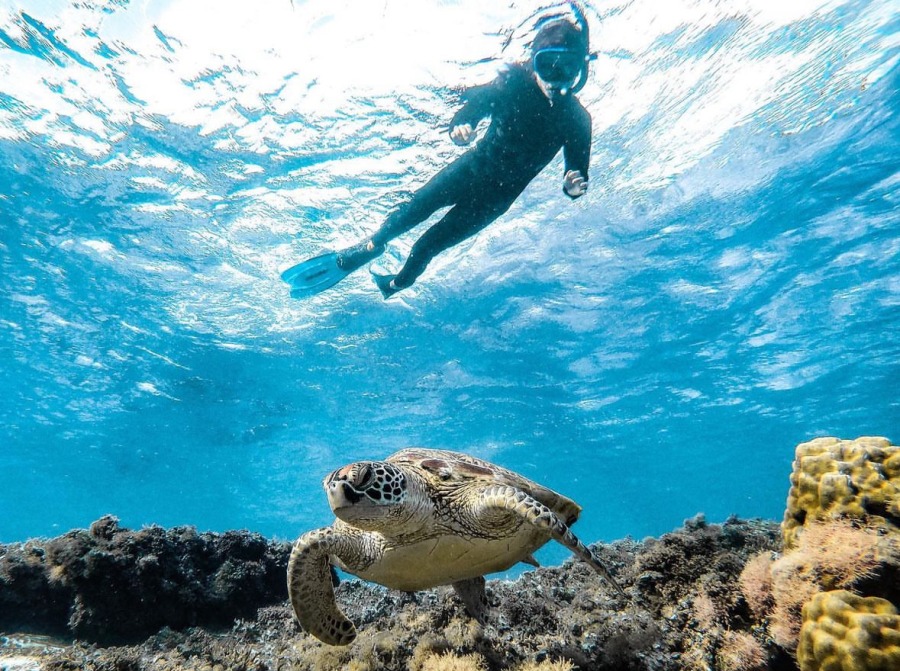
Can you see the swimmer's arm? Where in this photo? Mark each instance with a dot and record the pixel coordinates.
(577, 155)
(479, 103)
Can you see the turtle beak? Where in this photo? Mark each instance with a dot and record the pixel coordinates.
(346, 485)
(338, 490)
(341, 494)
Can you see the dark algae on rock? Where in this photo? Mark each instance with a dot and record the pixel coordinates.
(112, 585)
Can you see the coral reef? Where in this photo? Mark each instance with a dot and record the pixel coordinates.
(685, 612)
(845, 632)
(835, 478)
(838, 555)
(820, 591)
(841, 537)
(112, 585)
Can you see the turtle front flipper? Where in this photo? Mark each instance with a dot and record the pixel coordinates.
(310, 585)
(505, 498)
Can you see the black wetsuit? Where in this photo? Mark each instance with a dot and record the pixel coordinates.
(525, 133)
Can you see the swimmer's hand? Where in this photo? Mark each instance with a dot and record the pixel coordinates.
(462, 134)
(574, 184)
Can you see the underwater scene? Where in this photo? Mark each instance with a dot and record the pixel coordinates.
(317, 313)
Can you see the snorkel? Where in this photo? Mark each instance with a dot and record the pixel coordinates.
(581, 22)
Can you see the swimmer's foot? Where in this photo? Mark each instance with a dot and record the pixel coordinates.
(358, 255)
(386, 284)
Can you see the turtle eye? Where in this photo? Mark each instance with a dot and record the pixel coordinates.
(365, 476)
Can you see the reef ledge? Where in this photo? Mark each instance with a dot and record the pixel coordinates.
(111, 599)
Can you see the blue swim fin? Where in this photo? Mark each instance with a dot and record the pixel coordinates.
(314, 275)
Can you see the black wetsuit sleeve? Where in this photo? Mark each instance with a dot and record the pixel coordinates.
(577, 148)
(479, 102)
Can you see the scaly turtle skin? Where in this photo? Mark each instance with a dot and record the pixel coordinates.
(423, 518)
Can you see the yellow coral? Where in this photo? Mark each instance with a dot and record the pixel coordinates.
(835, 478)
(845, 632)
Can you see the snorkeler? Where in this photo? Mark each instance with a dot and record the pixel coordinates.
(533, 112)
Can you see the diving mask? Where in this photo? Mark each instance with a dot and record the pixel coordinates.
(558, 66)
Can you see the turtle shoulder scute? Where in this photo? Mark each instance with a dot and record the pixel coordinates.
(446, 465)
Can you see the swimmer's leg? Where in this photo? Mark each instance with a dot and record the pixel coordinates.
(442, 190)
(449, 186)
(460, 223)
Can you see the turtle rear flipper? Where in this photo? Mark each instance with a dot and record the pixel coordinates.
(532, 511)
(471, 593)
(311, 590)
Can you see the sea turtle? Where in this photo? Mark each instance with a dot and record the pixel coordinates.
(423, 518)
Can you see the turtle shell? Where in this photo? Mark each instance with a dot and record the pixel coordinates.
(449, 469)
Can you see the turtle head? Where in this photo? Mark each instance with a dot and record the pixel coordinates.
(370, 495)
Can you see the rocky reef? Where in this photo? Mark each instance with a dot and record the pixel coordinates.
(819, 591)
(685, 606)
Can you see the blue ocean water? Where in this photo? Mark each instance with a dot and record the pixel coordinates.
(729, 287)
